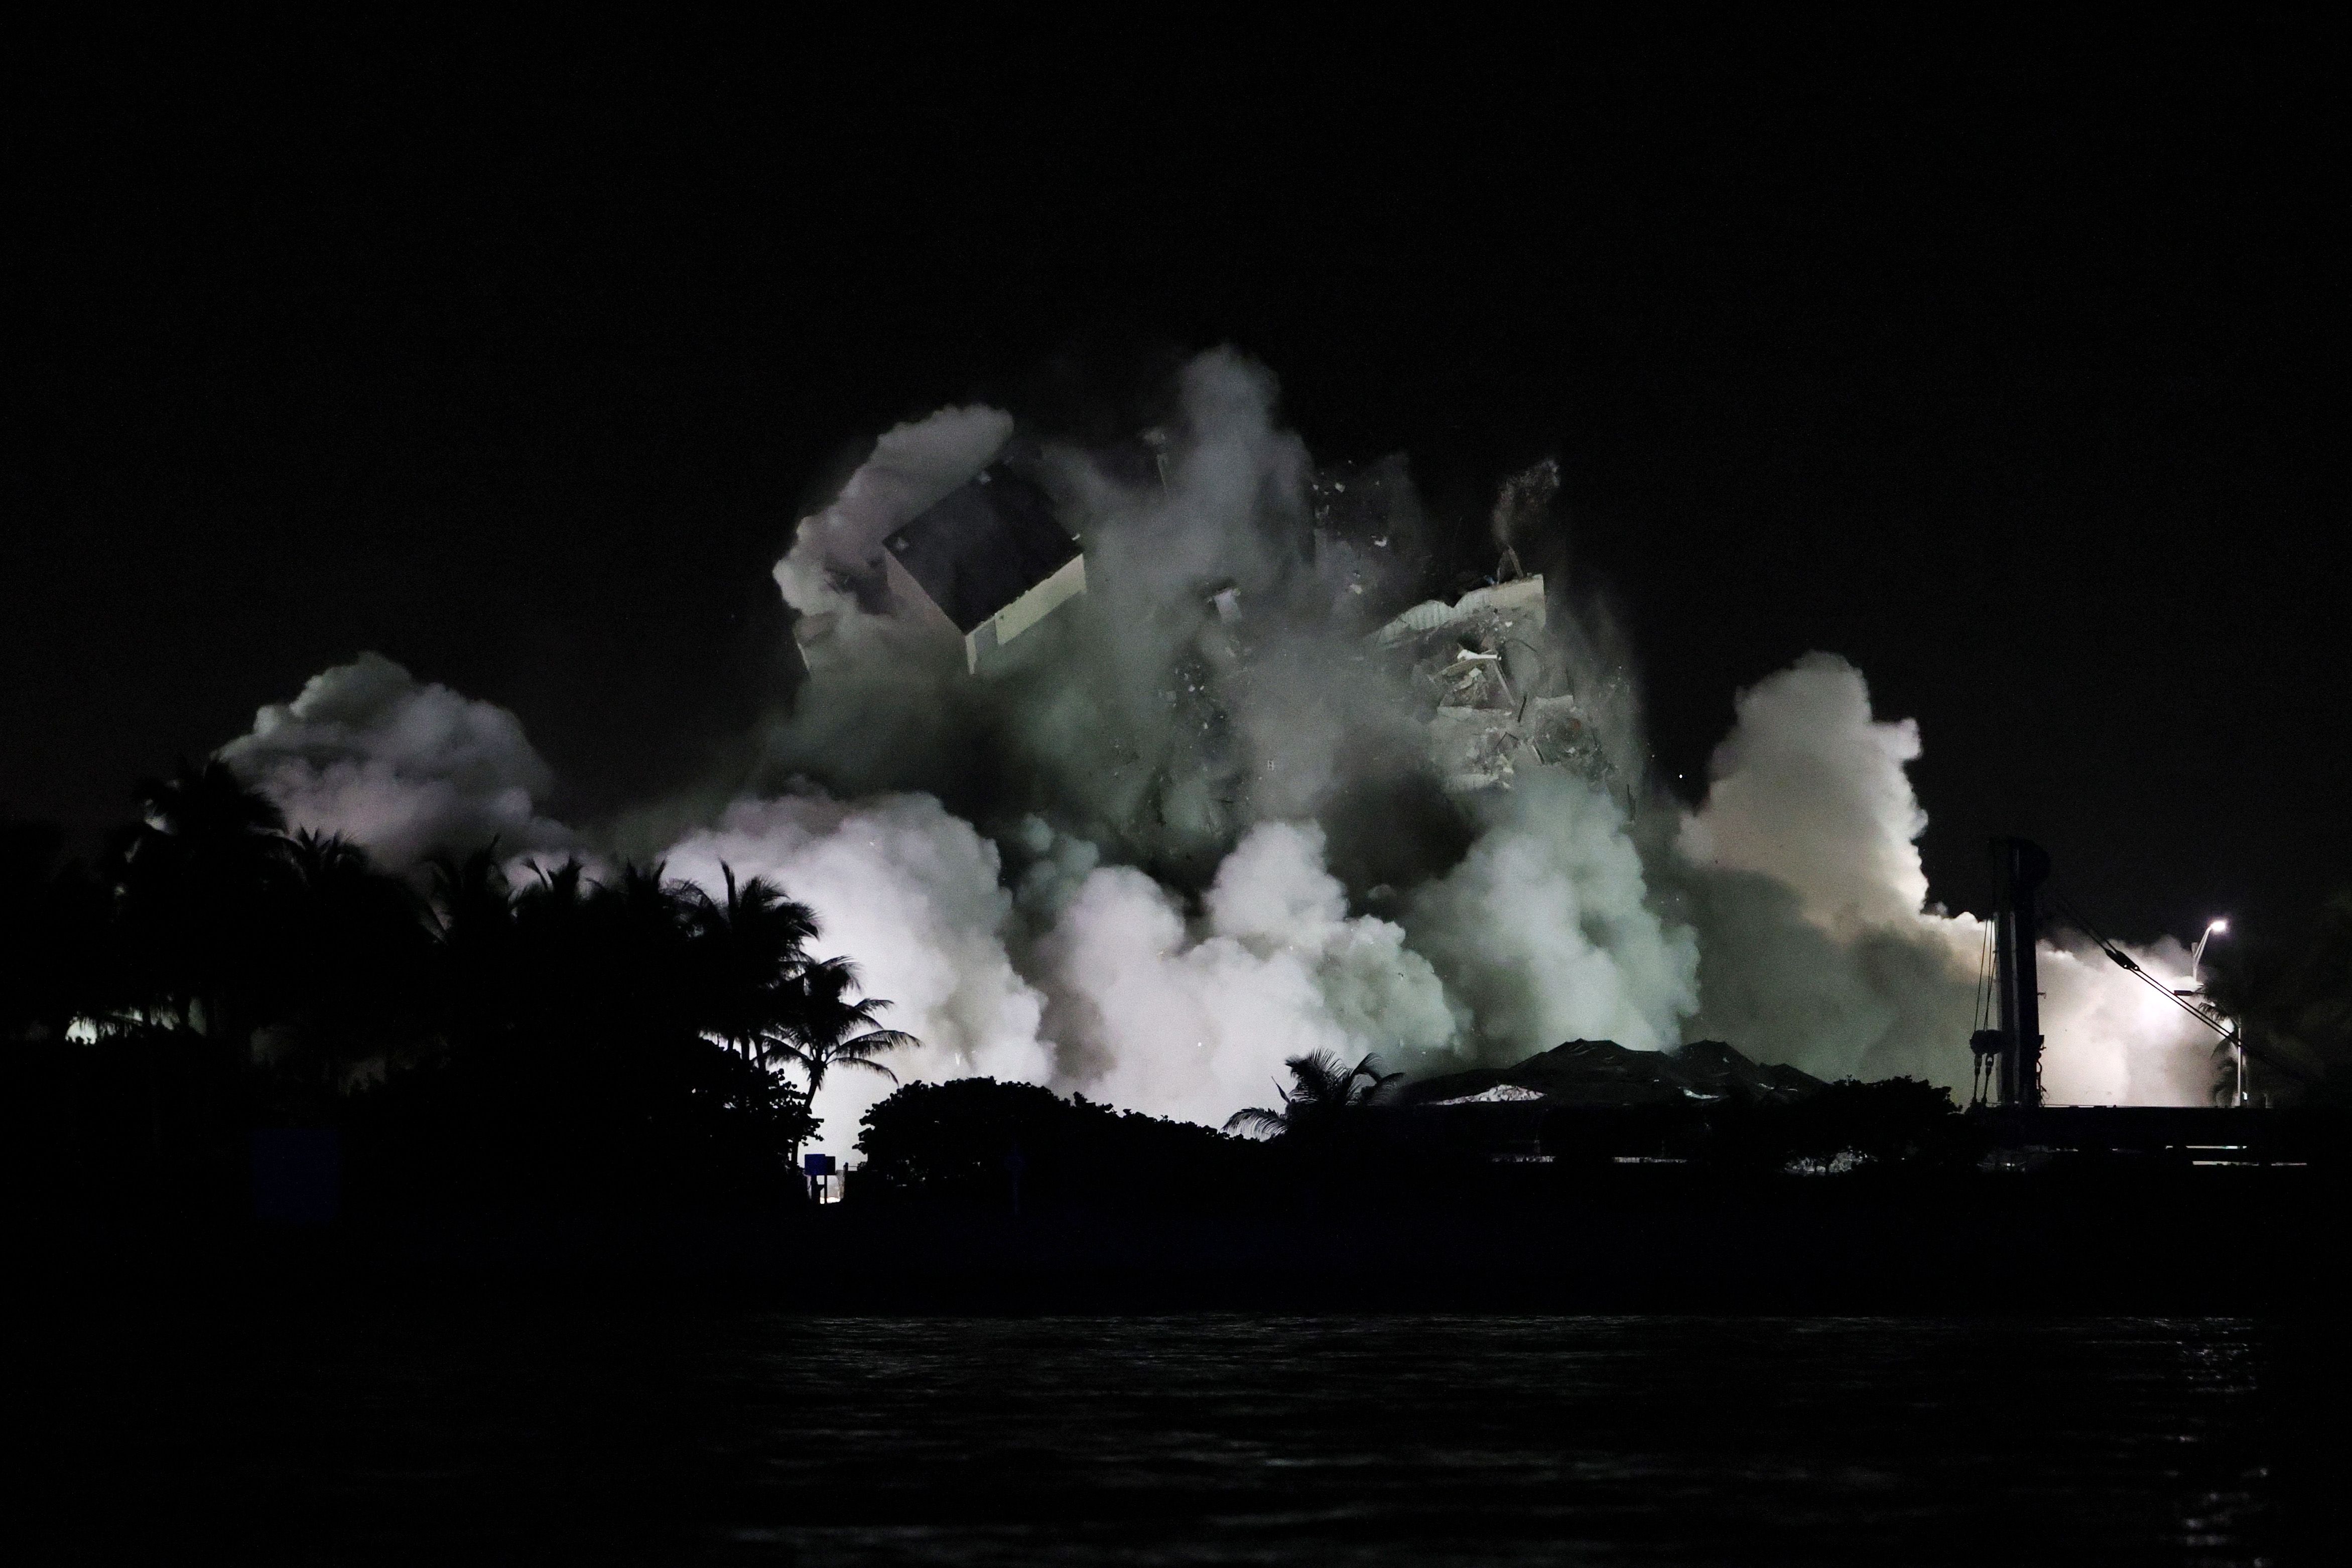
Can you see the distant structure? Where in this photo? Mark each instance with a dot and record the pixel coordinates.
(2027, 1133)
(1594, 1098)
(2009, 1054)
(1604, 1075)
(988, 562)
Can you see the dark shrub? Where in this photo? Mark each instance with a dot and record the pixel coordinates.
(1895, 1121)
(974, 1141)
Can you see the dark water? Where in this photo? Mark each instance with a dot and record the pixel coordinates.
(549, 1434)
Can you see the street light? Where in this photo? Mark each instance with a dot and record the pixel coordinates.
(2214, 928)
(2196, 955)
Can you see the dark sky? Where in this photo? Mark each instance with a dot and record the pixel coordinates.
(2006, 365)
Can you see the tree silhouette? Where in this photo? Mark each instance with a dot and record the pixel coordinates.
(53, 917)
(1322, 1090)
(754, 950)
(353, 952)
(470, 918)
(568, 1037)
(200, 884)
(830, 1030)
(207, 809)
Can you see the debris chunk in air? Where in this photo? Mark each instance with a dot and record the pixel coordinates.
(988, 562)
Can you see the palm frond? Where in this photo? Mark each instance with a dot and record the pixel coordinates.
(1256, 1118)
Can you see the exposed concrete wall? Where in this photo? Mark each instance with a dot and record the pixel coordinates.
(1022, 613)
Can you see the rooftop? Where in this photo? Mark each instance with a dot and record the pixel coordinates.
(1604, 1073)
(983, 546)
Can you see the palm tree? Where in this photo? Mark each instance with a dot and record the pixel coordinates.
(830, 1030)
(645, 940)
(753, 949)
(208, 805)
(198, 882)
(52, 923)
(353, 949)
(1322, 1089)
(198, 888)
(471, 921)
(471, 903)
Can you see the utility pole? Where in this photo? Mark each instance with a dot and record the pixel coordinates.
(2196, 988)
(2023, 867)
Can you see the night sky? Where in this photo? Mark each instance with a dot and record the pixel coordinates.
(2006, 365)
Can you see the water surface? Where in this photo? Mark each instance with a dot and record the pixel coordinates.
(500, 1432)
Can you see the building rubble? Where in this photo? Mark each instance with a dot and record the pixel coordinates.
(987, 563)
(1494, 700)
(1602, 1074)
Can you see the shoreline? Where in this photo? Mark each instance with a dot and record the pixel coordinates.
(2231, 1241)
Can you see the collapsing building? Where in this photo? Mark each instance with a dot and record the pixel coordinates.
(981, 567)
(1493, 698)
(988, 562)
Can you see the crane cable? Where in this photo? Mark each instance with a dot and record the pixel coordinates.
(2132, 965)
(2231, 1034)
(1982, 1068)
(1984, 979)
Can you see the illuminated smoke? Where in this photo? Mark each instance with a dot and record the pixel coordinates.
(1203, 779)
(1192, 1018)
(1817, 944)
(1812, 791)
(1195, 824)
(406, 768)
(1546, 932)
(913, 897)
(911, 466)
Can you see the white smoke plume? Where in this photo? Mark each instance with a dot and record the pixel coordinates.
(1203, 782)
(914, 898)
(2115, 1041)
(1812, 791)
(1819, 947)
(1192, 1018)
(911, 466)
(408, 769)
(1546, 932)
(880, 691)
(1197, 825)
(1140, 719)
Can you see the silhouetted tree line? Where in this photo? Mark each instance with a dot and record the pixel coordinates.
(628, 1039)
(1339, 1137)
(979, 1143)
(573, 1039)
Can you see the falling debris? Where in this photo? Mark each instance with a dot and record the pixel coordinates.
(988, 560)
(1366, 524)
(1494, 700)
(1520, 505)
(1501, 1094)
